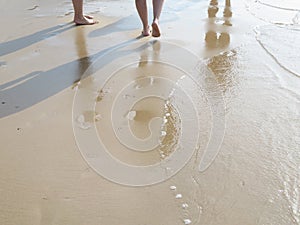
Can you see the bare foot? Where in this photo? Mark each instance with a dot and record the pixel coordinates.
(88, 16)
(146, 32)
(155, 29)
(85, 20)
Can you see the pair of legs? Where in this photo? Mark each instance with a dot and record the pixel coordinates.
(79, 18)
(141, 6)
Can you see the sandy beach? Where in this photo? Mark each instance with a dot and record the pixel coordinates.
(200, 126)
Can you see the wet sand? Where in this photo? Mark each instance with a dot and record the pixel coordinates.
(216, 99)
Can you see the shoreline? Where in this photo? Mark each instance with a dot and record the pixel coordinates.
(47, 108)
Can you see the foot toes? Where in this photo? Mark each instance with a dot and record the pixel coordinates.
(88, 16)
(85, 21)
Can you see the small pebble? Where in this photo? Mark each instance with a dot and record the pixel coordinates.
(131, 115)
(173, 188)
(178, 196)
(185, 205)
(98, 117)
(163, 133)
(187, 221)
(138, 87)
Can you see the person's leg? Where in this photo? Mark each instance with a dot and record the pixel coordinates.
(227, 10)
(157, 8)
(79, 18)
(227, 13)
(141, 6)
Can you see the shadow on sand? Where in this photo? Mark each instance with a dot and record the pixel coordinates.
(23, 42)
(37, 86)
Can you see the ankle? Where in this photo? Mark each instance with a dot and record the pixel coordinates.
(78, 17)
(155, 20)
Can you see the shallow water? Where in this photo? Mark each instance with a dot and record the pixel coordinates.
(205, 126)
(286, 11)
(281, 43)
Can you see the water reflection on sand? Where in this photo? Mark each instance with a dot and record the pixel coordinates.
(251, 49)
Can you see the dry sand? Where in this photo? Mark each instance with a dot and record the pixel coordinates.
(57, 92)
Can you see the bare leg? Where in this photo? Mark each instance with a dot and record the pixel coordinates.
(157, 8)
(141, 6)
(227, 11)
(79, 18)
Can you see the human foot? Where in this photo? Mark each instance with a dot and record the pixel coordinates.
(155, 29)
(146, 31)
(85, 20)
(88, 17)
